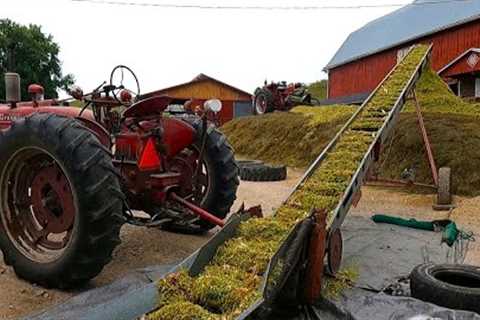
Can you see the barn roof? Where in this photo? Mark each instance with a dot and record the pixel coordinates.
(416, 20)
(200, 78)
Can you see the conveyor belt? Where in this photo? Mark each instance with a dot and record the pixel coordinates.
(375, 119)
(330, 184)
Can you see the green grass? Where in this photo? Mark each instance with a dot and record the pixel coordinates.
(318, 89)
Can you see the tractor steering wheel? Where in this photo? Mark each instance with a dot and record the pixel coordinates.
(119, 91)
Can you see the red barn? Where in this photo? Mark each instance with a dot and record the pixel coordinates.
(368, 54)
(235, 102)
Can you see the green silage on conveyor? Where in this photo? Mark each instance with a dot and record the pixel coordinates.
(230, 283)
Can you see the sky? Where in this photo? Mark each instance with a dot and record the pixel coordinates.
(168, 46)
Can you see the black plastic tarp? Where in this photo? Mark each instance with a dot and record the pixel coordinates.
(384, 255)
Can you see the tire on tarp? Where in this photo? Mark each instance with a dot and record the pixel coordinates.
(263, 172)
(447, 285)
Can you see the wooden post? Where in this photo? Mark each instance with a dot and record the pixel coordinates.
(314, 276)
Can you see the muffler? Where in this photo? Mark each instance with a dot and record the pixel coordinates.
(12, 88)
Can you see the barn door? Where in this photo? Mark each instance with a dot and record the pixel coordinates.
(477, 87)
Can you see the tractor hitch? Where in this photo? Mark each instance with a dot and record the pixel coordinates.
(197, 210)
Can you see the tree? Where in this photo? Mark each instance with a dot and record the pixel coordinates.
(319, 89)
(34, 55)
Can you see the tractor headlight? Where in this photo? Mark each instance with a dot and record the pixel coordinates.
(213, 105)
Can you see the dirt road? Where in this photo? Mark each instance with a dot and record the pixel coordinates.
(142, 247)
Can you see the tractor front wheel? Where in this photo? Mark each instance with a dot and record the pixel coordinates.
(60, 201)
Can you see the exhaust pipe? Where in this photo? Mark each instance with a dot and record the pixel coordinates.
(12, 88)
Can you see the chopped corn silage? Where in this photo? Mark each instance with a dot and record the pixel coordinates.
(452, 123)
(230, 283)
(295, 138)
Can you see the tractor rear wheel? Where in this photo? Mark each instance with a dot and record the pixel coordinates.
(217, 181)
(263, 102)
(60, 201)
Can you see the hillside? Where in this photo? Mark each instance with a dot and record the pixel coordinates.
(296, 138)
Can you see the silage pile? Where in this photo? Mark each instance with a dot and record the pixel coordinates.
(296, 138)
(453, 126)
(230, 282)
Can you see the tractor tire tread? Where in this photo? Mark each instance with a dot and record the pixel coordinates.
(225, 176)
(98, 219)
(263, 172)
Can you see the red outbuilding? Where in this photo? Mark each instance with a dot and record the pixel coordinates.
(235, 102)
(368, 54)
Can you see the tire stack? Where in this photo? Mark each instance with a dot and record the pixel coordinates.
(254, 170)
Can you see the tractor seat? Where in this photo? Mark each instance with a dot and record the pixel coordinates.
(155, 105)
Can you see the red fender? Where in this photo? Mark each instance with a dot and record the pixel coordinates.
(99, 131)
(8, 115)
(177, 135)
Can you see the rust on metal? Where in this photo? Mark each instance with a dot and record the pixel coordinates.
(426, 140)
(357, 197)
(197, 210)
(334, 251)
(52, 200)
(255, 211)
(314, 275)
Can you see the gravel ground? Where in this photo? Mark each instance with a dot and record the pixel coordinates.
(142, 247)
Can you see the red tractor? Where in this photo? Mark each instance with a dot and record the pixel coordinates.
(71, 177)
(280, 96)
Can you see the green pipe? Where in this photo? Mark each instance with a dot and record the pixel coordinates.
(410, 223)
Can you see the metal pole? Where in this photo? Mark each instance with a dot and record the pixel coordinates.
(426, 141)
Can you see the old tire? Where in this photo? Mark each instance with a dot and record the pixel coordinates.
(90, 186)
(246, 163)
(444, 196)
(450, 286)
(263, 172)
(263, 102)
